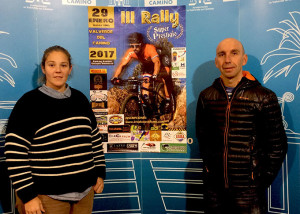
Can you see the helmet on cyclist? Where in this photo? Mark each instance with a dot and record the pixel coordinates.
(135, 38)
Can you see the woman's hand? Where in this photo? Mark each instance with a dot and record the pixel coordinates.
(98, 188)
(34, 206)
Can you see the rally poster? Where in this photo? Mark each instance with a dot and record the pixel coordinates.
(138, 77)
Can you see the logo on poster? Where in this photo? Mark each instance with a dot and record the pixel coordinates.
(102, 120)
(119, 137)
(115, 120)
(148, 145)
(180, 136)
(128, 17)
(167, 135)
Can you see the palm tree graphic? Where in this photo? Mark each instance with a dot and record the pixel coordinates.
(4, 75)
(287, 55)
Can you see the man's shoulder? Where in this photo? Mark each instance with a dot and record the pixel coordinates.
(260, 89)
(266, 93)
(208, 89)
(213, 87)
(258, 93)
(255, 84)
(211, 92)
(150, 47)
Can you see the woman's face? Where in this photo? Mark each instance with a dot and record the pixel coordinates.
(57, 70)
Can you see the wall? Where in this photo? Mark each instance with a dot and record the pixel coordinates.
(150, 182)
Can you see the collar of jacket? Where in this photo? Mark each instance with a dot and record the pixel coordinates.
(247, 77)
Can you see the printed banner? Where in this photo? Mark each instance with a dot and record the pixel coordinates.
(138, 77)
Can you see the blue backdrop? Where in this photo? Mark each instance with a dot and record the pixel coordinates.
(150, 182)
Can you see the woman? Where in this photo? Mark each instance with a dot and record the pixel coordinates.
(53, 146)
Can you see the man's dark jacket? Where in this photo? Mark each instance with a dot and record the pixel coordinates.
(242, 140)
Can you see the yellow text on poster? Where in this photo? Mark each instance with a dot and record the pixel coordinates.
(101, 17)
(103, 53)
(98, 71)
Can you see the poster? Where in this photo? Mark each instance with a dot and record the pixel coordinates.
(139, 107)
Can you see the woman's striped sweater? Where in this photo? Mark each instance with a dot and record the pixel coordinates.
(53, 146)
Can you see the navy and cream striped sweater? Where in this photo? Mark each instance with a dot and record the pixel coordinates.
(53, 146)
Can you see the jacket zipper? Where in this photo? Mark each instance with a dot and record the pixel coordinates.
(225, 155)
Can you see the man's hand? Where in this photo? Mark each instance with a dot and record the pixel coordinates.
(98, 188)
(154, 77)
(34, 206)
(115, 80)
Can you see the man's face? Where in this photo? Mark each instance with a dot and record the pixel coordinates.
(230, 58)
(136, 47)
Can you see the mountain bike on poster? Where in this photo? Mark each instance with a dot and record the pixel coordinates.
(157, 106)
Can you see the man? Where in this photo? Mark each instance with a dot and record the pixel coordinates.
(149, 58)
(241, 136)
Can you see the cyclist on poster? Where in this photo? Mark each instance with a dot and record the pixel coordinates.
(153, 65)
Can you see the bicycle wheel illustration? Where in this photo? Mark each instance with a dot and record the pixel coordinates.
(130, 107)
(166, 109)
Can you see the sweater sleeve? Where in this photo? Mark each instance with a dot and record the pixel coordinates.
(97, 145)
(275, 140)
(17, 148)
(99, 159)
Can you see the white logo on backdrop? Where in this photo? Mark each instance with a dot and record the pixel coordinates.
(157, 3)
(4, 75)
(46, 2)
(194, 2)
(79, 2)
(119, 3)
(38, 5)
(286, 98)
(293, 137)
(200, 5)
(287, 54)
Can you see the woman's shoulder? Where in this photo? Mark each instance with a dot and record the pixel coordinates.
(26, 105)
(76, 94)
(30, 96)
